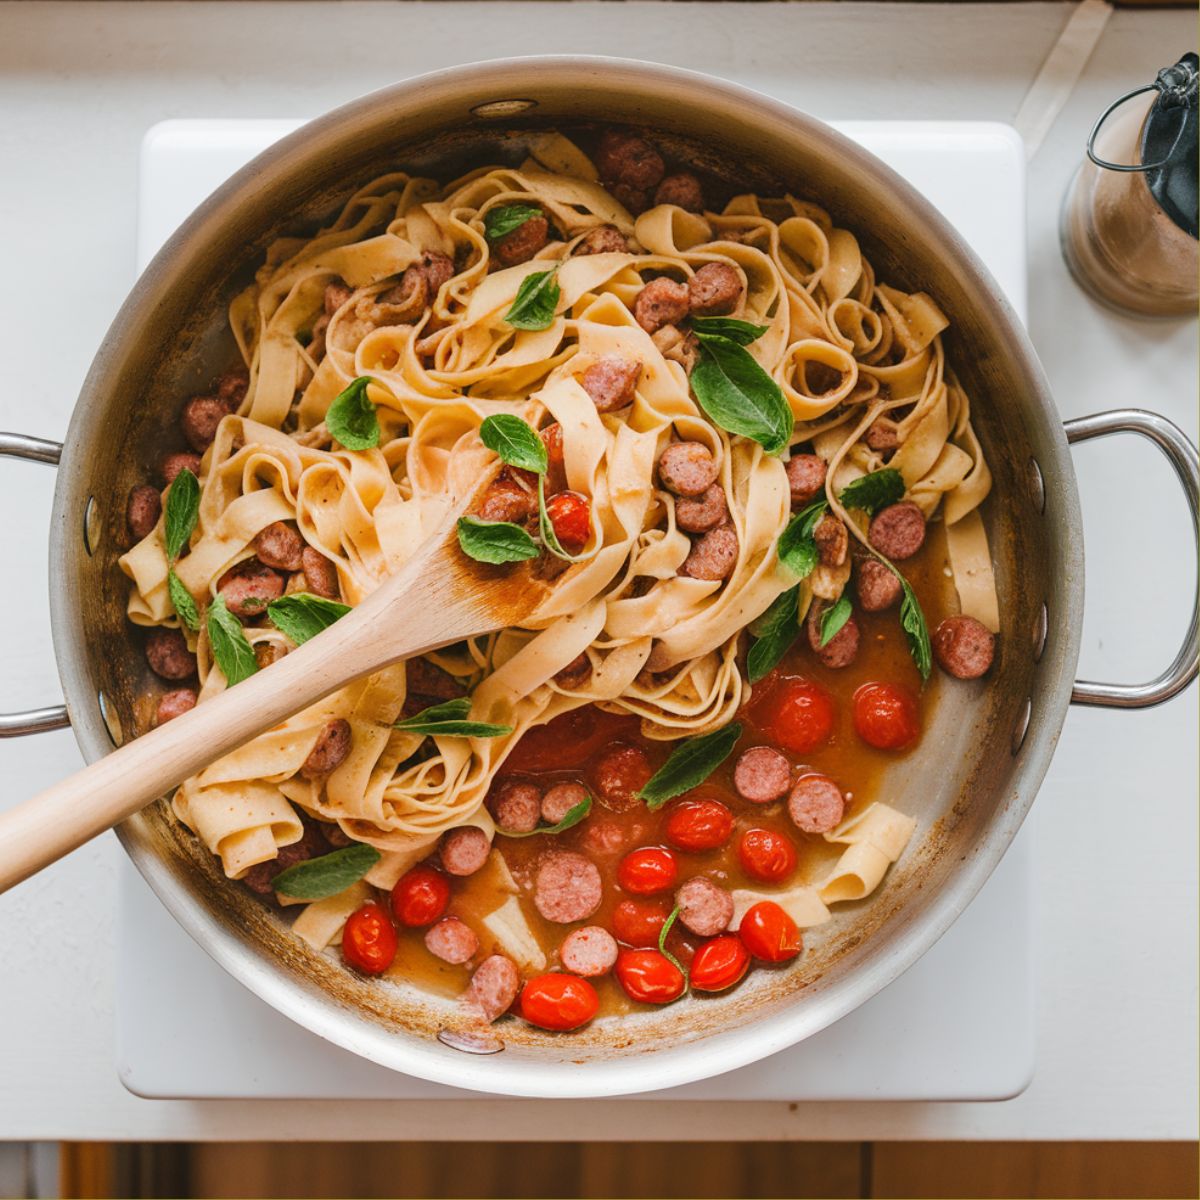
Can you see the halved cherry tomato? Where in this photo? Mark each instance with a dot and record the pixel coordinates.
(558, 1001)
(766, 855)
(886, 716)
(369, 940)
(420, 897)
(719, 964)
(647, 870)
(798, 715)
(699, 825)
(649, 977)
(639, 922)
(769, 933)
(571, 516)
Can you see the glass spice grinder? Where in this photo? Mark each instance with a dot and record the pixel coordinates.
(1129, 221)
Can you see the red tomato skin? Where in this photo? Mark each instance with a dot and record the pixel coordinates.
(798, 715)
(638, 923)
(571, 516)
(649, 976)
(369, 940)
(886, 716)
(558, 1002)
(766, 855)
(647, 870)
(769, 933)
(699, 825)
(420, 897)
(719, 964)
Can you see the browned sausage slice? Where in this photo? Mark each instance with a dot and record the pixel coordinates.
(611, 381)
(589, 951)
(464, 850)
(699, 514)
(567, 887)
(761, 775)
(493, 987)
(714, 290)
(806, 478)
(336, 294)
(451, 940)
(523, 242)
(841, 650)
(816, 804)
(661, 302)
(682, 189)
(515, 806)
(704, 907)
(878, 588)
(712, 556)
(560, 799)
(249, 587)
(181, 460)
(577, 672)
(333, 745)
(832, 540)
(261, 877)
(320, 575)
(199, 420)
(964, 647)
(506, 500)
(279, 546)
(604, 239)
(623, 157)
(620, 773)
(897, 531)
(143, 510)
(168, 654)
(232, 387)
(882, 435)
(437, 269)
(174, 704)
(687, 468)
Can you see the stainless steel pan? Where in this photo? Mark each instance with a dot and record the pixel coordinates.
(980, 765)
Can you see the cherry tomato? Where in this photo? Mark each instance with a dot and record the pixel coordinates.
(639, 922)
(369, 940)
(798, 715)
(886, 716)
(766, 855)
(420, 897)
(719, 964)
(571, 516)
(649, 977)
(558, 1002)
(647, 870)
(699, 825)
(769, 933)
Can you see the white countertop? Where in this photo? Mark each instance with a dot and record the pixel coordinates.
(1116, 913)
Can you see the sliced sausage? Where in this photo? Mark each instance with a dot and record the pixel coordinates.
(577, 672)
(877, 587)
(619, 774)
(337, 293)
(556, 466)
(806, 478)
(560, 799)
(199, 420)
(713, 555)
(515, 806)
(406, 299)
(699, 514)
(611, 381)
(336, 836)
(506, 500)
(833, 542)
(168, 654)
(261, 877)
(249, 587)
(174, 704)
(761, 775)
(661, 302)
(436, 269)
(320, 575)
(687, 468)
(451, 940)
(428, 681)
(635, 201)
(964, 647)
(567, 887)
(704, 907)
(143, 509)
(714, 290)
(897, 531)
(682, 189)
(604, 239)
(816, 804)
(841, 649)
(464, 850)
(589, 951)
(333, 745)
(181, 460)
(882, 435)
(279, 546)
(232, 388)
(493, 987)
(523, 242)
(623, 157)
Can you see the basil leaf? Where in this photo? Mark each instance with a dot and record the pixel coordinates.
(833, 618)
(780, 628)
(302, 615)
(797, 548)
(690, 763)
(447, 720)
(183, 509)
(912, 619)
(499, 222)
(662, 947)
(742, 332)
(326, 876)
(184, 602)
(515, 441)
(535, 303)
(573, 817)
(737, 394)
(351, 418)
(234, 654)
(495, 541)
(875, 491)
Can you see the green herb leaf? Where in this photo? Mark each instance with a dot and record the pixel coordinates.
(515, 441)
(797, 548)
(351, 418)
(234, 654)
(912, 619)
(535, 303)
(833, 618)
(495, 541)
(182, 599)
(573, 817)
(183, 509)
(302, 615)
(448, 720)
(662, 947)
(780, 628)
(737, 394)
(875, 491)
(326, 876)
(549, 537)
(690, 764)
(499, 222)
(742, 332)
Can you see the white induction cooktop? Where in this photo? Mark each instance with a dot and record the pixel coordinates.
(957, 1026)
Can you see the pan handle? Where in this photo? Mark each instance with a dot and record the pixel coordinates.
(1181, 454)
(35, 720)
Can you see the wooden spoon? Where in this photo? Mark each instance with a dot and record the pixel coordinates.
(441, 596)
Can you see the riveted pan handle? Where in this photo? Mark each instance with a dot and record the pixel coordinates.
(1181, 454)
(35, 720)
